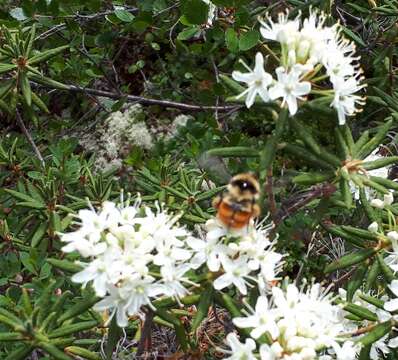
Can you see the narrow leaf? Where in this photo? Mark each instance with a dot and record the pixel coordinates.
(349, 260)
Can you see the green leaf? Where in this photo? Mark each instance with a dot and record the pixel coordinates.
(387, 183)
(372, 300)
(206, 299)
(364, 138)
(248, 40)
(312, 178)
(209, 194)
(308, 157)
(195, 11)
(114, 334)
(79, 351)
(11, 336)
(377, 333)
(338, 231)
(73, 328)
(342, 146)
(373, 143)
(38, 234)
(365, 234)
(356, 281)
(305, 136)
(11, 320)
(232, 84)
(54, 351)
(45, 55)
(346, 192)
(65, 265)
(7, 67)
(349, 260)
(369, 210)
(32, 205)
(39, 103)
(5, 87)
(77, 309)
(178, 327)
(236, 151)
(124, 15)
(385, 269)
(20, 353)
(47, 82)
(372, 275)
(379, 163)
(353, 36)
(20, 196)
(30, 40)
(188, 33)
(231, 40)
(361, 312)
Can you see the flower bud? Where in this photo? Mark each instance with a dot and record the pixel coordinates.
(373, 227)
(393, 235)
(303, 49)
(377, 203)
(388, 199)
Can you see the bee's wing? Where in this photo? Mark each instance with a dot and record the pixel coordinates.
(215, 168)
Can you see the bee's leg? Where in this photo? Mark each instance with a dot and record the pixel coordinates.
(216, 201)
(256, 210)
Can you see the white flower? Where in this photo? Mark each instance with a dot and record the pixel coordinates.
(259, 250)
(161, 226)
(240, 351)
(85, 242)
(138, 291)
(235, 272)
(289, 87)
(208, 251)
(348, 351)
(96, 271)
(262, 320)
(172, 279)
(257, 81)
(284, 31)
(392, 305)
(169, 253)
(116, 303)
(273, 352)
(344, 99)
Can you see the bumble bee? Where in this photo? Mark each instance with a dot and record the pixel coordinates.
(238, 204)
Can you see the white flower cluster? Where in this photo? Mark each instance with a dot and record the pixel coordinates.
(252, 254)
(133, 258)
(300, 324)
(307, 48)
(136, 255)
(112, 140)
